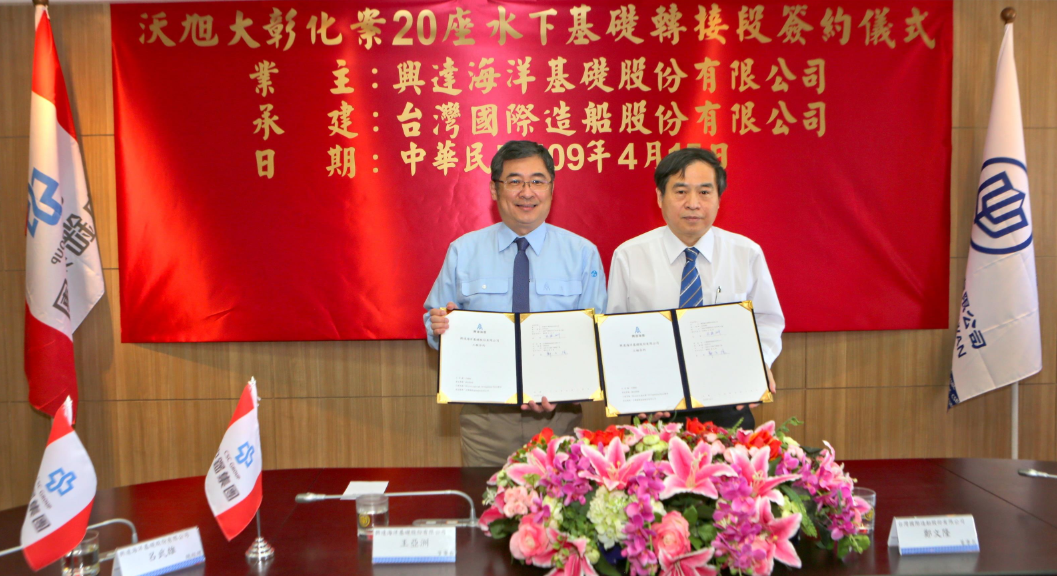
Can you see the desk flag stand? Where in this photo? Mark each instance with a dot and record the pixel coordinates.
(260, 552)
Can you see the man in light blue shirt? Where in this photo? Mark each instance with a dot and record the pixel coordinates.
(521, 264)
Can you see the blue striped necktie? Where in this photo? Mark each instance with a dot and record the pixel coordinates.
(690, 290)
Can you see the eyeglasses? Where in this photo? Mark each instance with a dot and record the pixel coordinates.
(517, 184)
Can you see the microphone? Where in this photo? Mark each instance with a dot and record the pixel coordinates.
(1035, 473)
(306, 497)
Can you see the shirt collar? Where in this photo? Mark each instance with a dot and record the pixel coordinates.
(505, 237)
(674, 247)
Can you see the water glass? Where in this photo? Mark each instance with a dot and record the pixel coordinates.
(83, 560)
(871, 498)
(371, 510)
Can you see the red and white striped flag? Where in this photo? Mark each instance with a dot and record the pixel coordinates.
(64, 276)
(58, 511)
(233, 482)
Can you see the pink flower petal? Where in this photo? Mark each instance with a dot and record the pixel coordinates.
(786, 554)
(681, 458)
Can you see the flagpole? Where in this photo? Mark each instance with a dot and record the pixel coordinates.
(1009, 14)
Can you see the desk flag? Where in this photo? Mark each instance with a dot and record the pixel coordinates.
(64, 276)
(997, 342)
(233, 482)
(57, 516)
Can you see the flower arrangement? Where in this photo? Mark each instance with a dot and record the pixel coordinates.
(671, 500)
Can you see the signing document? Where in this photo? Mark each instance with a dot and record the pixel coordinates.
(559, 356)
(504, 358)
(722, 356)
(678, 359)
(640, 361)
(478, 359)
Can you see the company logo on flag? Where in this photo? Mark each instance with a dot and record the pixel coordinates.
(57, 515)
(997, 341)
(64, 276)
(233, 482)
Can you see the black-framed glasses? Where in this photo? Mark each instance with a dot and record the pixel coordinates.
(517, 184)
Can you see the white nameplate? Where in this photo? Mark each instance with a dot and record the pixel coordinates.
(413, 545)
(934, 534)
(355, 489)
(162, 555)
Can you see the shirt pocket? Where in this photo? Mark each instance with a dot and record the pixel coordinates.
(731, 297)
(559, 294)
(482, 293)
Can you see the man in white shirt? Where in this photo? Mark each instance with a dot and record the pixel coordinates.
(689, 262)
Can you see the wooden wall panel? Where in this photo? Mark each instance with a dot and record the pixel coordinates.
(12, 310)
(153, 411)
(1038, 421)
(14, 172)
(29, 433)
(7, 497)
(82, 39)
(16, 68)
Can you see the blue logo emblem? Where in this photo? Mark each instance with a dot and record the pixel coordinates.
(245, 455)
(479, 327)
(637, 331)
(60, 481)
(37, 212)
(1002, 208)
(594, 273)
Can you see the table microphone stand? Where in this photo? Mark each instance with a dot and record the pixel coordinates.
(470, 522)
(105, 556)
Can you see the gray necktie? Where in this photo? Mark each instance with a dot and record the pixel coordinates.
(521, 276)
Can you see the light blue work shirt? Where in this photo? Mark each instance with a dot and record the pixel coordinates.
(565, 273)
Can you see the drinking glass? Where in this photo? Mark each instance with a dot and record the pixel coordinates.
(83, 560)
(372, 510)
(871, 498)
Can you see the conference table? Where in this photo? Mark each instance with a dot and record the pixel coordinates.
(1016, 519)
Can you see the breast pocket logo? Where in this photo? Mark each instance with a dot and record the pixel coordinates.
(1003, 212)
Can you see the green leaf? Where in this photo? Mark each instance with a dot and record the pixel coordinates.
(705, 511)
(860, 543)
(502, 528)
(843, 547)
(691, 515)
(697, 543)
(708, 533)
(605, 568)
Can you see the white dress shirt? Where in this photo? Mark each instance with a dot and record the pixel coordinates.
(647, 270)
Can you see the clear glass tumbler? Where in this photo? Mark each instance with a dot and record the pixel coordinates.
(83, 560)
(372, 510)
(871, 498)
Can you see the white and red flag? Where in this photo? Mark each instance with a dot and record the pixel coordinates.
(64, 276)
(57, 515)
(233, 482)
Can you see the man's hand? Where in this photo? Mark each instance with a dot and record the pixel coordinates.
(541, 407)
(770, 385)
(438, 318)
(654, 417)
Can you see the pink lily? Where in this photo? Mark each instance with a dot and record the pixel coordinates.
(576, 563)
(537, 462)
(754, 471)
(612, 469)
(775, 538)
(692, 471)
(690, 564)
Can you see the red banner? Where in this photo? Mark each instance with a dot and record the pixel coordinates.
(296, 170)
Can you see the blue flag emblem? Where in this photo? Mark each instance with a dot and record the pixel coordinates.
(245, 455)
(1001, 208)
(60, 481)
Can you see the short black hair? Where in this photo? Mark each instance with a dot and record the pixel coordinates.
(677, 162)
(517, 149)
